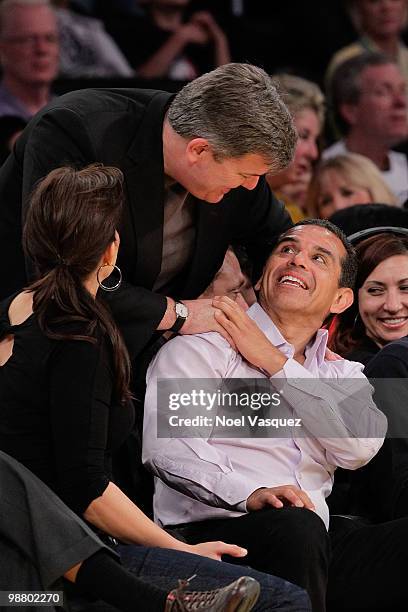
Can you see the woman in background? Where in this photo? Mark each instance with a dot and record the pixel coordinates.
(343, 181)
(306, 104)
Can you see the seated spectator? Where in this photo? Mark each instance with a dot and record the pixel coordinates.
(43, 540)
(365, 216)
(165, 44)
(270, 491)
(374, 332)
(379, 25)
(10, 129)
(66, 408)
(233, 278)
(343, 181)
(29, 56)
(306, 104)
(380, 311)
(86, 49)
(369, 103)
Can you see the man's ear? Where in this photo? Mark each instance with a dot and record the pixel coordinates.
(349, 113)
(197, 149)
(343, 300)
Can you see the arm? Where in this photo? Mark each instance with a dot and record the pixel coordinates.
(159, 62)
(81, 415)
(221, 48)
(337, 408)
(192, 466)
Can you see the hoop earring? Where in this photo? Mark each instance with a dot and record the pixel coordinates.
(105, 287)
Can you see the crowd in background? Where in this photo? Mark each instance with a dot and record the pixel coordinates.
(342, 70)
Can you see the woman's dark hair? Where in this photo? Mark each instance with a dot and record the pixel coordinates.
(71, 220)
(350, 331)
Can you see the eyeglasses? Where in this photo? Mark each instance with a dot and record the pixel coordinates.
(32, 39)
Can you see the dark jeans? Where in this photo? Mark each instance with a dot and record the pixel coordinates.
(41, 538)
(163, 567)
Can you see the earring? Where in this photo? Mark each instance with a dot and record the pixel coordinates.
(356, 318)
(106, 287)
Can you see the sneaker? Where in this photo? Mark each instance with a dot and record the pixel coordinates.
(239, 596)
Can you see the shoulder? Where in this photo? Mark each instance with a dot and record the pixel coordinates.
(197, 354)
(342, 368)
(391, 361)
(337, 148)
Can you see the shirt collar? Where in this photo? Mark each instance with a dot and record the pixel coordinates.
(315, 350)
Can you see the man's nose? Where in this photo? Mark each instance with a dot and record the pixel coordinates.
(298, 259)
(250, 182)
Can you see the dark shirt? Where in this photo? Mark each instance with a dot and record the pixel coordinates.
(58, 415)
(364, 352)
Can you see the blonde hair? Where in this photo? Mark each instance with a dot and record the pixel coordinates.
(300, 94)
(358, 171)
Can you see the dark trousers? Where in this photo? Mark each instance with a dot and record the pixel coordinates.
(362, 568)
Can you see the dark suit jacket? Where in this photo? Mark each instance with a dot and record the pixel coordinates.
(123, 128)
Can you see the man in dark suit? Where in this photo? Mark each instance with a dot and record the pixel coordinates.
(210, 144)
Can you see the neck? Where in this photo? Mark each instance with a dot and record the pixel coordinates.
(371, 148)
(34, 97)
(173, 151)
(298, 332)
(167, 18)
(91, 285)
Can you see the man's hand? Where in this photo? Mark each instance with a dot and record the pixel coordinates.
(277, 497)
(250, 341)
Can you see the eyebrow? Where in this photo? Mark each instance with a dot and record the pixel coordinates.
(319, 249)
(375, 282)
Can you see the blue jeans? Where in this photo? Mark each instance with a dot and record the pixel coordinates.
(164, 567)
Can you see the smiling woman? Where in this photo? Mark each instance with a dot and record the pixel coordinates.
(380, 312)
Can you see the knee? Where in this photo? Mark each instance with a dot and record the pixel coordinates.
(303, 530)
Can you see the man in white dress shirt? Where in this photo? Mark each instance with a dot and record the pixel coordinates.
(268, 493)
(370, 109)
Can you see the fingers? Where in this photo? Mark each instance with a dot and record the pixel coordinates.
(231, 549)
(239, 300)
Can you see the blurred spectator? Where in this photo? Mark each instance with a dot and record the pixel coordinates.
(364, 216)
(86, 49)
(29, 56)
(166, 45)
(369, 103)
(10, 129)
(306, 104)
(343, 181)
(379, 25)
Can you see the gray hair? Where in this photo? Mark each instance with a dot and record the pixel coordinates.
(346, 85)
(300, 94)
(238, 109)
(7, 5)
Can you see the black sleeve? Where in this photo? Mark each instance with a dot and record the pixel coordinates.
(263, 220)
(80, 383)
(387, 474)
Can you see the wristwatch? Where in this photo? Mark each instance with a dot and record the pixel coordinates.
(181, 316)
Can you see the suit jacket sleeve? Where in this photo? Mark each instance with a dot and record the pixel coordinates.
(60, 137)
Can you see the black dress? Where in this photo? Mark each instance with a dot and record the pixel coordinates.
(58, 413)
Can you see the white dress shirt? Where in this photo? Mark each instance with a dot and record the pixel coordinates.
(202, 478)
